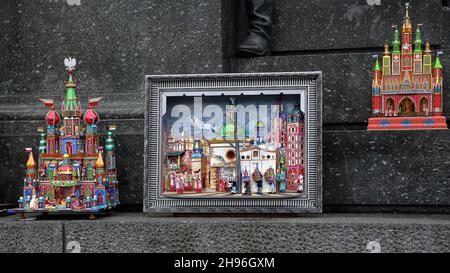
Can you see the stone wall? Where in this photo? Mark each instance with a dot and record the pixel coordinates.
(117, 42)
(130, 233)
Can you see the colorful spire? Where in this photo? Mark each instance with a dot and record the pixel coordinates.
(377, 66)
(407, 27)
(427, 47)
(418, 41)
(386, 49)
(70, 102)
(42, 144)
(31, 164)
(396, 42)
(437, 63)
(109, 142)
(99, 163)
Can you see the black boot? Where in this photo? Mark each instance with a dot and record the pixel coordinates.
(258, 42)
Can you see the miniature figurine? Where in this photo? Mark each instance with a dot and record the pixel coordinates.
(41, 202)
(258, 179)
(179, 182)
(407, 86)
(28, 201)
(229, 185)
(299, 183)
(246, 181)
(94, 201)
(68, 202)
(269, 176)
(233, 188)
(171, 177)
(33, 202)
(75, 203)
(198, 181)
(187, 180)
(88, 202)
(20, 202)
(69, 157)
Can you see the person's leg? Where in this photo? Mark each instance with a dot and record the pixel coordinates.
(258, 42)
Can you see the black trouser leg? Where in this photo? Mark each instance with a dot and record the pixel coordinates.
(260, 28)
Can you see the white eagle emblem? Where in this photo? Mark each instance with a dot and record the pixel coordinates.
(70, 63)
(406, 46)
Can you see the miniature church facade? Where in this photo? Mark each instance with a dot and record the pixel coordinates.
(407, 85)
(72, 172)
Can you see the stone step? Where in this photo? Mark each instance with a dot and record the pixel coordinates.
(137, 232)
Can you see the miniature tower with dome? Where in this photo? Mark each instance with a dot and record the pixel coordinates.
(71, 173)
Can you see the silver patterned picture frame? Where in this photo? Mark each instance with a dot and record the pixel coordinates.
(188, 167)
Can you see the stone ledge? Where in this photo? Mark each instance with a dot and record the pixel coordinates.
(137, 232)
(386, 167)
(28, 236)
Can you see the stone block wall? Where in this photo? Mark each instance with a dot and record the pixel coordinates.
(117, 42)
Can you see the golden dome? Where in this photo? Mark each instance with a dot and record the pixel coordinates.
(407, 27)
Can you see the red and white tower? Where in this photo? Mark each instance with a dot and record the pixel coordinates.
(407, 50)
(294, 146)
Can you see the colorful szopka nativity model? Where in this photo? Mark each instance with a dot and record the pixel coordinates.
(407, 86)
(270, 163)
(72, 172)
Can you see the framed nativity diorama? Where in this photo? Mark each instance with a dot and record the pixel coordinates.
(233, 143)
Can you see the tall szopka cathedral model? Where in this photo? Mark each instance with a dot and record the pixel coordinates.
(407, 86)
(72, 172)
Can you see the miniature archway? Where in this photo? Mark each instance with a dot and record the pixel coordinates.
(406, 105)
(390, 106)
(424, 105)
(69, 148)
